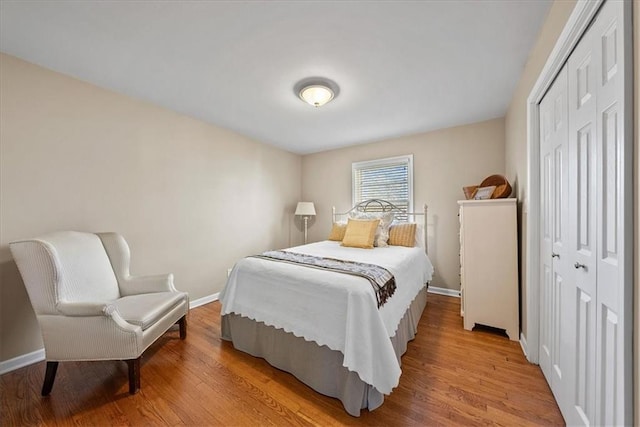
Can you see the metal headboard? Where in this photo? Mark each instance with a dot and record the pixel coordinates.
(379, 205)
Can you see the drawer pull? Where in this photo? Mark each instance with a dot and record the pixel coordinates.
(578, 265)
(555, 255)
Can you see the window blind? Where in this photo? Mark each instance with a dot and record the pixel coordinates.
(387, 179)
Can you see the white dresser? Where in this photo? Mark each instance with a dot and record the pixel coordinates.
(489, 264)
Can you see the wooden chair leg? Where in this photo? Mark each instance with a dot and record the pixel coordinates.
(134, 375)
(183, 327)
(49, 378)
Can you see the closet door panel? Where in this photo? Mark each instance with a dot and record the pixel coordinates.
(607, 378)
(562, 318)
(612, 347)
(546, 203)
(583, 409)
(610, 159)
(584, 277)
(585, 195)
(556, 321)
(608, 185)
(608, 267)
(582, 66)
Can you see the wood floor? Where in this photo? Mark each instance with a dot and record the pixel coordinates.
(450, 377)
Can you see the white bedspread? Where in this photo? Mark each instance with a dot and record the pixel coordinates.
(333, 309)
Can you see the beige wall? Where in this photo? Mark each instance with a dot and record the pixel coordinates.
(189, 197)
(516, 125)
(444, 162)
(516, 146)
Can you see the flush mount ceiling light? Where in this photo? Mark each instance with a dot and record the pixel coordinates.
(316, 91)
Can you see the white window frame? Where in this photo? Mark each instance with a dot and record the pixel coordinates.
(408, 159)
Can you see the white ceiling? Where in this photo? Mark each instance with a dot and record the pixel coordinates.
(403, 67)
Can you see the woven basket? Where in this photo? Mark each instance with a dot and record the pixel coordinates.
(503, 188)
(469, 191)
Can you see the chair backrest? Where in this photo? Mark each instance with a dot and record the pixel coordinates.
(66, 266)
(118, 252)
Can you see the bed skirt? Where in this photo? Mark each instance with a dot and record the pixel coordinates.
(319, 367)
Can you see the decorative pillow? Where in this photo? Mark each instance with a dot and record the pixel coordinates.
(403, 234)
(337, 232)
(360, 234)
(382, 233)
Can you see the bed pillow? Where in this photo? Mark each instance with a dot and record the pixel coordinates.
(403, 234)
(337, 232)
(382, 232)
(420, 239)
(360, 233)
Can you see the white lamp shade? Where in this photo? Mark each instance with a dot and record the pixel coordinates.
(305, 209)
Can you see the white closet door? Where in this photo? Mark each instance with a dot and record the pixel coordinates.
(599, 167)
(585, 305)
(555, 297)
(582, 66)
(613, 335)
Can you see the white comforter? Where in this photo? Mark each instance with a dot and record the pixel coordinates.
(333, 309)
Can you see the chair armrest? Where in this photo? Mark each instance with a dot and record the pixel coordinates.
(134, 285)
(80, 309)
(96, 309)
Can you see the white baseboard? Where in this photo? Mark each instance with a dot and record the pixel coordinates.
(444, 291)
(523, 344)
(204, 300)
(21, 361)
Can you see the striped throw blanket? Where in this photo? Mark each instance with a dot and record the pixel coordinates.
(382, 281)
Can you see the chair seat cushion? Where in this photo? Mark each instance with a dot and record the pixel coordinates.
(146, 309)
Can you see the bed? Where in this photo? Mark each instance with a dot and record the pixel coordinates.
(328, 328)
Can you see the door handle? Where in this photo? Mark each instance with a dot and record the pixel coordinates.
(578, 265)
(555, 255)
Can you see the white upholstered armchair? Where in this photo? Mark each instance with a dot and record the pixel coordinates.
(87, 304)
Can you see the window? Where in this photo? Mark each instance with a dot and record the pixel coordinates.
(389, 179)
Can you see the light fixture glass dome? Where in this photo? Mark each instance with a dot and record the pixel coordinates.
(316, 95)
(316, 91)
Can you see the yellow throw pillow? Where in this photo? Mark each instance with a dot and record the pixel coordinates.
(402, 235)
(360, 234)
(337, 232)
